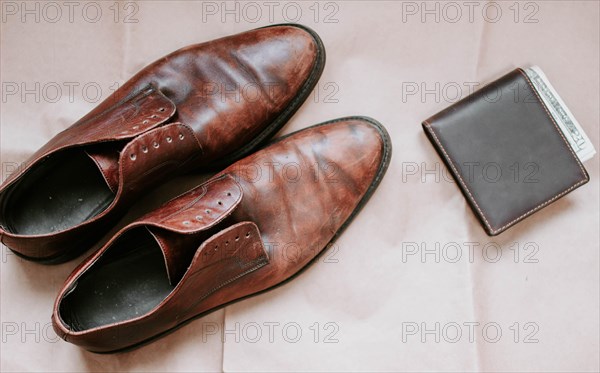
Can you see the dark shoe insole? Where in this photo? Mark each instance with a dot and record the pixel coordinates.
(63, 191)
(127, 282)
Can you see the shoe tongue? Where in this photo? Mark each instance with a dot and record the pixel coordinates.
(107, 161)
(226, 256)
(214, 256)
(181, 225)
(178, 250)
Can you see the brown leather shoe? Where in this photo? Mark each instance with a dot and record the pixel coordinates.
(246, 230)
(201, 107)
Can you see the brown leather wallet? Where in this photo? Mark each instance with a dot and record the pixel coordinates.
(505, 151)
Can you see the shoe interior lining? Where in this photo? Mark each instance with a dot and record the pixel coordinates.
(61, 192)
(128, 281)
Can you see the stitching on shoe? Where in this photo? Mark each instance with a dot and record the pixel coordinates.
(191, 131)
(262, 261)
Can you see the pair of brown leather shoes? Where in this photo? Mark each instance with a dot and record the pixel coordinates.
(247, 229)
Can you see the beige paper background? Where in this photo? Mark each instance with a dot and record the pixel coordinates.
(366, 289)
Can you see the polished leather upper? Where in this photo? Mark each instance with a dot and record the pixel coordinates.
(198, 107)
(247, 229)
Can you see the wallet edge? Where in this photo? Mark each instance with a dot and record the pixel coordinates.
(493, 231)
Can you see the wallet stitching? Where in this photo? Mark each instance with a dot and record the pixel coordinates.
(554, 122)
(457, 173)
(541, 205)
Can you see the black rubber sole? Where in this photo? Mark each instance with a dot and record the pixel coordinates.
(385, 162)
(259, 140)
